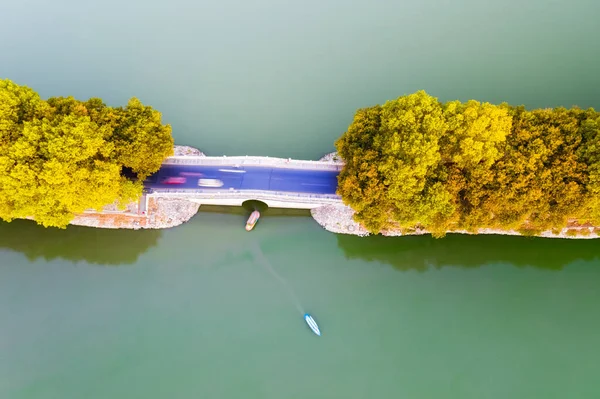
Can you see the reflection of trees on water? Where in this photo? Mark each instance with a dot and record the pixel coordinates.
(76, 243)
(423, 252)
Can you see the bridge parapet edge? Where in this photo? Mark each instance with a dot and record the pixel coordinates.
(254, 161)
(325, 199)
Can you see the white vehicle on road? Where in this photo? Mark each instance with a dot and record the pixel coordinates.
(210, 183)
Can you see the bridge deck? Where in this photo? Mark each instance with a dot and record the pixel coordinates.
(261, 178)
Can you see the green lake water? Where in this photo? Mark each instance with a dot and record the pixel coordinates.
(197, 311)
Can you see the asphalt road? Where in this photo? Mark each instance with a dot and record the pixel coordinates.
(246, 178)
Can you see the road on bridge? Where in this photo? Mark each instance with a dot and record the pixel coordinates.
(245, 178)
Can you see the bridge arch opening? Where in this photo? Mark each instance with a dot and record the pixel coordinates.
(255, 205)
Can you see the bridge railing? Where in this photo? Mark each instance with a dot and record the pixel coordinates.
(254, 161)
(257, 194)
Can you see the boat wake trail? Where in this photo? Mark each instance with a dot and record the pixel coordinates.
(260, 257)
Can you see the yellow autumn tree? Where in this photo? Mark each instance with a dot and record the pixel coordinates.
(540, 181)
(474, 141)
(466, 166)
(392, 158)
(142, 142)
(62, 156)
(589, 153)
(475, 132)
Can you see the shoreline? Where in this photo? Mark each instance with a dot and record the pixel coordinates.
(162, 213)
(339, 220)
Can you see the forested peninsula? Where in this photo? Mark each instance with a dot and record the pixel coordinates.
(416, 163)
(60, 157)
(413, 165)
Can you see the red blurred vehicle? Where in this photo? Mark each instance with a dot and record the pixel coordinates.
(174, 180)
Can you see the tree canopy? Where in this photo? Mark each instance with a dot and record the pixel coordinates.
(62, 156)
(416, 162)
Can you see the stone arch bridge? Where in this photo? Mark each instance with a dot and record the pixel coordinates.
(277, 182)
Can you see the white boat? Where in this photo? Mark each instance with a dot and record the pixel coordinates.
(312, 324)
(252, 220)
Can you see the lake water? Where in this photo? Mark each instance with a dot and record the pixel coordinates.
(197, 311)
